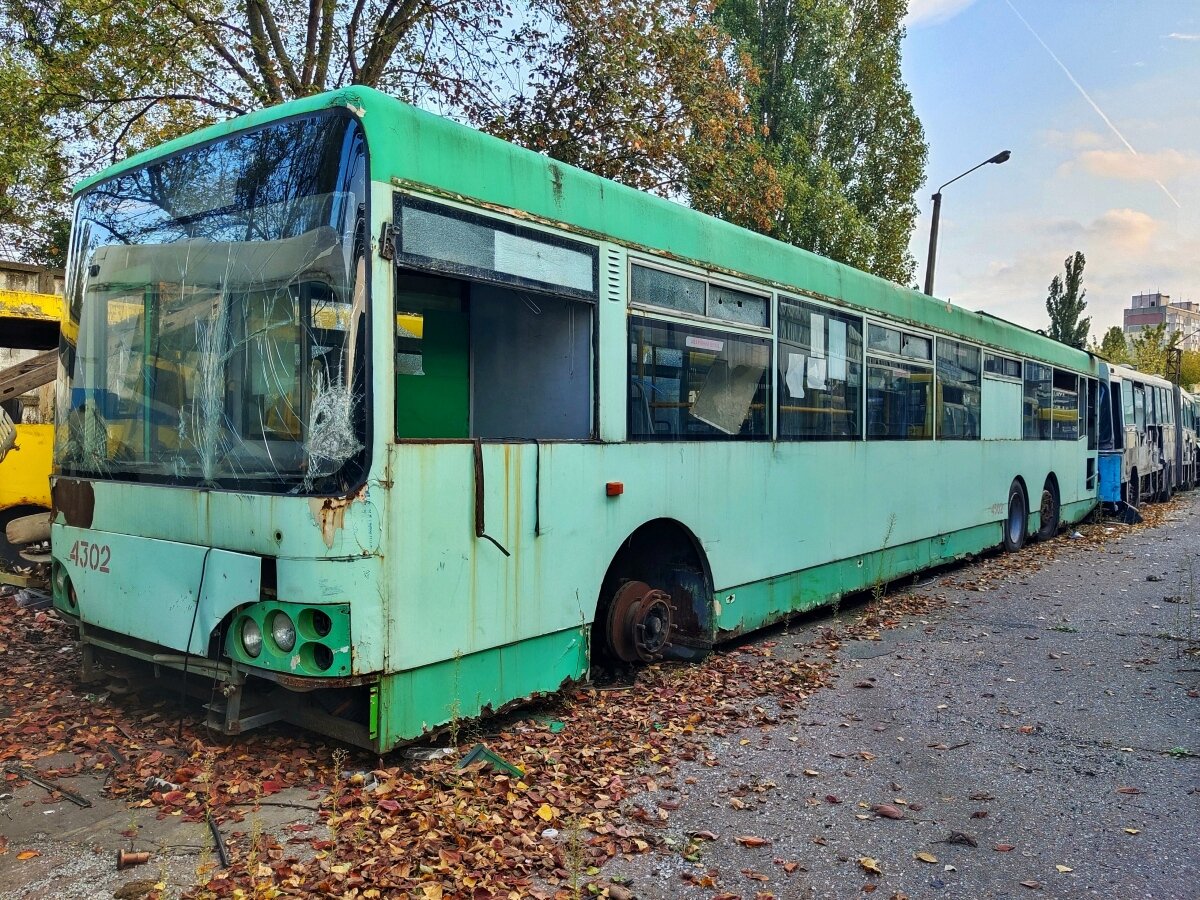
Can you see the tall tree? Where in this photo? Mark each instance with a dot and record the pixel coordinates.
(1113, 347)
(645, 96)
(1065, 304)
(1148, 349)
(839, 124)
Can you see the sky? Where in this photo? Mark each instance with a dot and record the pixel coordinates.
(1105, 149)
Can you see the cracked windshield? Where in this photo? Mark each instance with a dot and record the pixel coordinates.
(216, 331)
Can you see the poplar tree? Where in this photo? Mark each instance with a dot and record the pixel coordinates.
(1065, 304)
(838, 124)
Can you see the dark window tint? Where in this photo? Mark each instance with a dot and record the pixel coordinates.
(820, 372)
(1001, 366)
(1067, 406)
(898, 400)
(958, 391)
(1038, 402)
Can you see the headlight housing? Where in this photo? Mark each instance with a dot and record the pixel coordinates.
(283, 631)
(252, 638)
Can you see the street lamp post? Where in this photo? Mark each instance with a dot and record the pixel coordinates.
(937, 212)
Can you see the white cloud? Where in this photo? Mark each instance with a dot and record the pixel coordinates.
(931, 12)
(1163, 165)
(1177, 36)
(1079, 139)
(1127, 250)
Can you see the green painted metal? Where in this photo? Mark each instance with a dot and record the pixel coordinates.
(747, 607)
(450, 626)
(109, 572)
(416, 701)
(435, 404)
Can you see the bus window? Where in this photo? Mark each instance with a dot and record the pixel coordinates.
(898, 406)
(1087, 412)
(466, 351)
(1127, 404)
(1038, 403)
(1064, 414)
(531, 365)
(958, 393)
(1139, 408)
(1110, 419)
(820, 373)
(688, 383)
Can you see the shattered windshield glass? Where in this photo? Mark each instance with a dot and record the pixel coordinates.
(217, 329)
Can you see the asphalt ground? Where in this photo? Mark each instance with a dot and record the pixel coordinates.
(1035, 732)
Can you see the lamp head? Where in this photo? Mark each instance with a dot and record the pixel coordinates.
(1001, 157)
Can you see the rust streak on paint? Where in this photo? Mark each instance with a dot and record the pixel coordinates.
(75, 499)
(330, 513)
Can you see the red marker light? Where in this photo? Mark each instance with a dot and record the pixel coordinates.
(614, 488)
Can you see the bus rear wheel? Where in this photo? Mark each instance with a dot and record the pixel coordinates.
(1050, 511)
(1018, 516)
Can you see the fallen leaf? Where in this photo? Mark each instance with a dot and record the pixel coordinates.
(1132, 831)
(831, 798)
(703, 835)
(1031, 884)
(926, 856)
(28, 854)
(1129, 790)
(864, 684)
(811, 773)
(887, 811)
(1064, 869)
(749, 840)
(545, 812)
(870, 865)
(979, 814)
(1003, 848)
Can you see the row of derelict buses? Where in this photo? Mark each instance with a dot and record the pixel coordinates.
(374, 421)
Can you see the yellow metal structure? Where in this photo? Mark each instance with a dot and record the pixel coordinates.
(27, 321)
(25, 470)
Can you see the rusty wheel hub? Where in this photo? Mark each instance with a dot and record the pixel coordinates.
(639, 622)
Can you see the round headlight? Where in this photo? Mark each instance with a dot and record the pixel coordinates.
(251, 637)
(283, 631)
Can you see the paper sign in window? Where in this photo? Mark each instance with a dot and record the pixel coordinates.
(795, 375)
(817, 330)
(816, 374)
(837, 350)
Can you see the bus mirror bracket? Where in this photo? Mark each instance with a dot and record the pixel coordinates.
(387, 241)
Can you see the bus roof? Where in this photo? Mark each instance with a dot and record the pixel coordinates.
(412, 148)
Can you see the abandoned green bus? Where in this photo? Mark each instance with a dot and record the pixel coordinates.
(369, 421)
